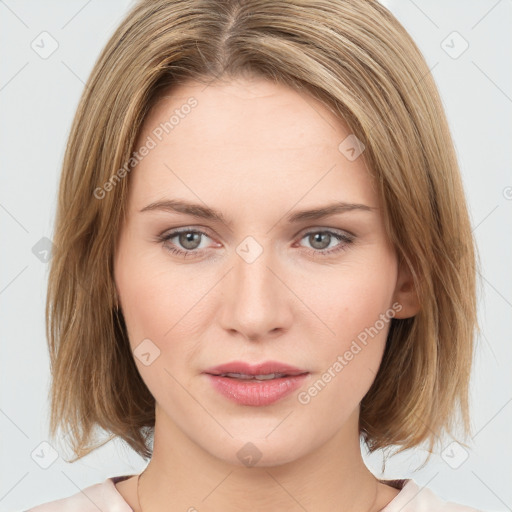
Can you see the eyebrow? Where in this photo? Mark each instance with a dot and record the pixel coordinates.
(204, 212)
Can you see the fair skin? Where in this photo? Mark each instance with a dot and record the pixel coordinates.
(256, 152)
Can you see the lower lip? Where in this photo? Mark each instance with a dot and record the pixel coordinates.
(256, 392)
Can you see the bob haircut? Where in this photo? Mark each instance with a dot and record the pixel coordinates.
(360, 62)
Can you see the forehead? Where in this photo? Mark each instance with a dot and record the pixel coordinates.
(246, 136)
(262, 108)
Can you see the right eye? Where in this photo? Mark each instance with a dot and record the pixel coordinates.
(188, 239)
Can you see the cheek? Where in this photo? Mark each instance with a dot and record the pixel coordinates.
(155, 296)
(353, 297)
(357, 308)
(156, 301)
(163, 308)
(144, 304)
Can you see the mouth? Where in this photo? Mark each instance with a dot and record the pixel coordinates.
(260, 371)
(263, 376)
(255, 385)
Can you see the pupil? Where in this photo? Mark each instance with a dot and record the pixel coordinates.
(189, 239)
(317, 237)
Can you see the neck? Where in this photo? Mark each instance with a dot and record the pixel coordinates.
(183, 476)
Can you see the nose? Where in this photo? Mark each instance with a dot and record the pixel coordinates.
(256, 302)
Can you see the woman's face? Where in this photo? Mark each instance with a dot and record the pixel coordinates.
(257, 282)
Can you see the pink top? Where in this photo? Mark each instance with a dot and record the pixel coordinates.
(105, 497)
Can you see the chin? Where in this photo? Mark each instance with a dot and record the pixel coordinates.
(258, 447)
(256, 452)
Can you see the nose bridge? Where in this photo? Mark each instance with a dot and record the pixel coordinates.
(258, 305)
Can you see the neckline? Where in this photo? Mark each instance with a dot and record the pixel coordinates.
(400, 484)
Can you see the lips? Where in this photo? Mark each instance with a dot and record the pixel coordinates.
(261, 371)
(256, 384)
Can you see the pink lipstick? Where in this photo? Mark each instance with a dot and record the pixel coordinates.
(256, 385)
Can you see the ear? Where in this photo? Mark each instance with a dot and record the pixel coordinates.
(405, 292)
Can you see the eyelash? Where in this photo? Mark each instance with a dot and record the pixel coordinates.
(347, 239)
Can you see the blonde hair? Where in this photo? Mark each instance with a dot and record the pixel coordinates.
(355, 57)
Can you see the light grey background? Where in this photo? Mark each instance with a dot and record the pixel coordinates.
(38, 97)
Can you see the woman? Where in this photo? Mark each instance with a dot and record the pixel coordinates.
(263, 257)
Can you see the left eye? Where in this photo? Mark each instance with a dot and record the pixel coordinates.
(320, 240)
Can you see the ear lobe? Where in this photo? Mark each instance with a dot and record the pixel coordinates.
(405, 292)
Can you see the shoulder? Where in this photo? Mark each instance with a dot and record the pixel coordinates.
(102, 496)
(413, 498)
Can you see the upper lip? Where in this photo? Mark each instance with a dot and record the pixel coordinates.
(264, 368)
